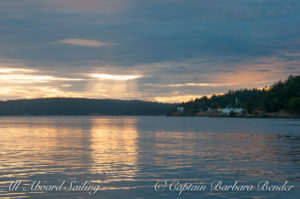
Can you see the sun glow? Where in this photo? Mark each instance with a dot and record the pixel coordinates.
(114, 77)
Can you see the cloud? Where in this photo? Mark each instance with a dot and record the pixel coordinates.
(263, 70)
(175, 99)
(291, 54)
(26, 76)
(198, 85)
(23, 78)
(115, 77)
(17, 92)
(85, 42)
(11, 70)
(290, 68)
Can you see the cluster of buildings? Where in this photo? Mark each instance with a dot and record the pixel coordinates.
(223, 111)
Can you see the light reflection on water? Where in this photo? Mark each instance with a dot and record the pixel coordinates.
(127, 155)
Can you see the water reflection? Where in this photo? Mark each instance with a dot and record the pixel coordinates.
(128, 154)
(114, 147)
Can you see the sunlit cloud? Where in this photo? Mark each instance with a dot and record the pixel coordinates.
(17, 92)
(24, 78)
(114, 77)
(66, 85)
(85, 42)
(198, 85)
(20, 70)
(175, 99)
(260, 72)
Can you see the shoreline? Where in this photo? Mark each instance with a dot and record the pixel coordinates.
(279, 115)
(245, 117)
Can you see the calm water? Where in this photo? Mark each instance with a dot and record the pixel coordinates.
(127, 156)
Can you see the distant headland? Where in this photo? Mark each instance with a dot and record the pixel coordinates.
(82, 106)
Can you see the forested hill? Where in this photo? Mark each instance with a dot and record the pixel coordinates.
(81, 106)
(283, 96)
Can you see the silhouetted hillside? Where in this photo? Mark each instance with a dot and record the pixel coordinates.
(80, 106)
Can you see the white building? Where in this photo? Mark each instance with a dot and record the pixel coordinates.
(180, 109)
(227, 111)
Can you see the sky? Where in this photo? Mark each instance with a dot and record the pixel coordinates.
(156, 50)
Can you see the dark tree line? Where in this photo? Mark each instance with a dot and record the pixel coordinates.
(79, 106)
(283, 95)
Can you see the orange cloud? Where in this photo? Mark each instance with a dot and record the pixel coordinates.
(175, 99)
(85, 42)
